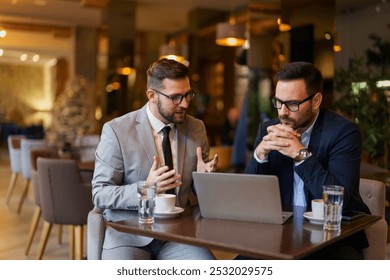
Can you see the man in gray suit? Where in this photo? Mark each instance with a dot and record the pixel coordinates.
(130, 150)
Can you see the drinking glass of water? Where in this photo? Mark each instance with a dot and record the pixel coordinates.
(333, 206)
(146, 195)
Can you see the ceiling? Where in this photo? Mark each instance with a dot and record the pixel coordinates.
(43, 26)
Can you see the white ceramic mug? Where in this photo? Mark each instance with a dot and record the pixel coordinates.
(317, 208)
(165, 203)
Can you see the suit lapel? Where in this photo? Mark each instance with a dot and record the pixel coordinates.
(316, 134)
(181, 146)
(145, 134)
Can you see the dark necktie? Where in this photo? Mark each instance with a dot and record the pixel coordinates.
(167, 151)
(166, 147)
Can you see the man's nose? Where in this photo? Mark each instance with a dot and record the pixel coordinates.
(283, 110)
(184, 103)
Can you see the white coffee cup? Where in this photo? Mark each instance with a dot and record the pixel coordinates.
(164, 203)
(317, 208)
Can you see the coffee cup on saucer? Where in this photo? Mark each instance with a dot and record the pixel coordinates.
(317, 208)
(164, 203)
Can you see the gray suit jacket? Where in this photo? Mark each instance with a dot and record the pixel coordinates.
(124, 156)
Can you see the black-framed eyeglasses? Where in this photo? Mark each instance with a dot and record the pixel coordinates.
(292, 106)
(178, 98)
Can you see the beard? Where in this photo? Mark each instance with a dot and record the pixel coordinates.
(176, 117)
(298, 125)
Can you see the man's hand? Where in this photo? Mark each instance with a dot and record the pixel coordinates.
(205, 167)
(162, 179)
(280, 138)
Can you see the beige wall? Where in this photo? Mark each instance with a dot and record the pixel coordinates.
(25, 93)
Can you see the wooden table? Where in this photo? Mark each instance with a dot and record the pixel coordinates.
(86, 165)
(295, 239)
(86, 169)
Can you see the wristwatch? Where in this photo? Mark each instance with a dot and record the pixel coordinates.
(302, 155)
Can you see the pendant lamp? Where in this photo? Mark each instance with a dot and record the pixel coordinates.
(230, 34)
(171, 51)
(284, 20)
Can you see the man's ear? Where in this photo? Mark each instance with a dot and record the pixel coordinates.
(151, 94)
(317, 100)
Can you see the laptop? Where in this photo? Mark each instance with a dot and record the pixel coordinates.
(242, 197)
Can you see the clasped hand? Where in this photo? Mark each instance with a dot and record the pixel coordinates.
(280, 138)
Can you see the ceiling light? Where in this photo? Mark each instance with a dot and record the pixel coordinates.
(125, 66)
(171, 51)
(125, 70)
(3, 32)
(328, 36)
(283, 26)
(230, 34)
(284, 20)
(35, 58)
(337, 48)
(336, 43)
(23, 57)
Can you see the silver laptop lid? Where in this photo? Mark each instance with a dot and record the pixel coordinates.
(243, 197)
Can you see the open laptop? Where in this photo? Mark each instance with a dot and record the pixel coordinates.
(243, 197)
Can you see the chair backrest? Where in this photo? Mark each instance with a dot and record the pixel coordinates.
(224, 156)
(85, 147)
(88, 140)
(65, 199)
(34, 155)
(14, 152)
(95, 234)
(373, 194)
(26, 145)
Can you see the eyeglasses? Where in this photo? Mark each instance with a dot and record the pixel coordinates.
(292, 106)
(178, 98)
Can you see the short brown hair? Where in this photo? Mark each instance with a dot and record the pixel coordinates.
(165, 69)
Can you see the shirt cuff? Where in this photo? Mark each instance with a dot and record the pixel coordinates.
(265, 159)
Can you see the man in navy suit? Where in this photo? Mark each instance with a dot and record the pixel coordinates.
(308, 147)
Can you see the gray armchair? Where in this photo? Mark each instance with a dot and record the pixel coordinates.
(65, 199)
(26, 145)
(15, 158)
(34, 155)
(95, 234)
(373, 194)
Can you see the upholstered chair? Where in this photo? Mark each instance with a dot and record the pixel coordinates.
(15, 158)
(95, 234)
(85, 147)
(373, 194)
(35, 154)
(26, 145)
(65, 199)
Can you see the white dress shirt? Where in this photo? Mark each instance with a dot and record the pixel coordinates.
(157, 126)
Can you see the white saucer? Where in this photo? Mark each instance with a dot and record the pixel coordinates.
(309, 216)
(175, 212)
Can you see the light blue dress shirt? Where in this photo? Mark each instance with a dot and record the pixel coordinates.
(299, 194)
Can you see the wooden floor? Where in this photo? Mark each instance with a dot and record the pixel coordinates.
(14, 227)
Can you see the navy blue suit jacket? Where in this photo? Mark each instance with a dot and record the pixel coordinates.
(335, 144)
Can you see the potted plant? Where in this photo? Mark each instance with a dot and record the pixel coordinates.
(362, 97)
